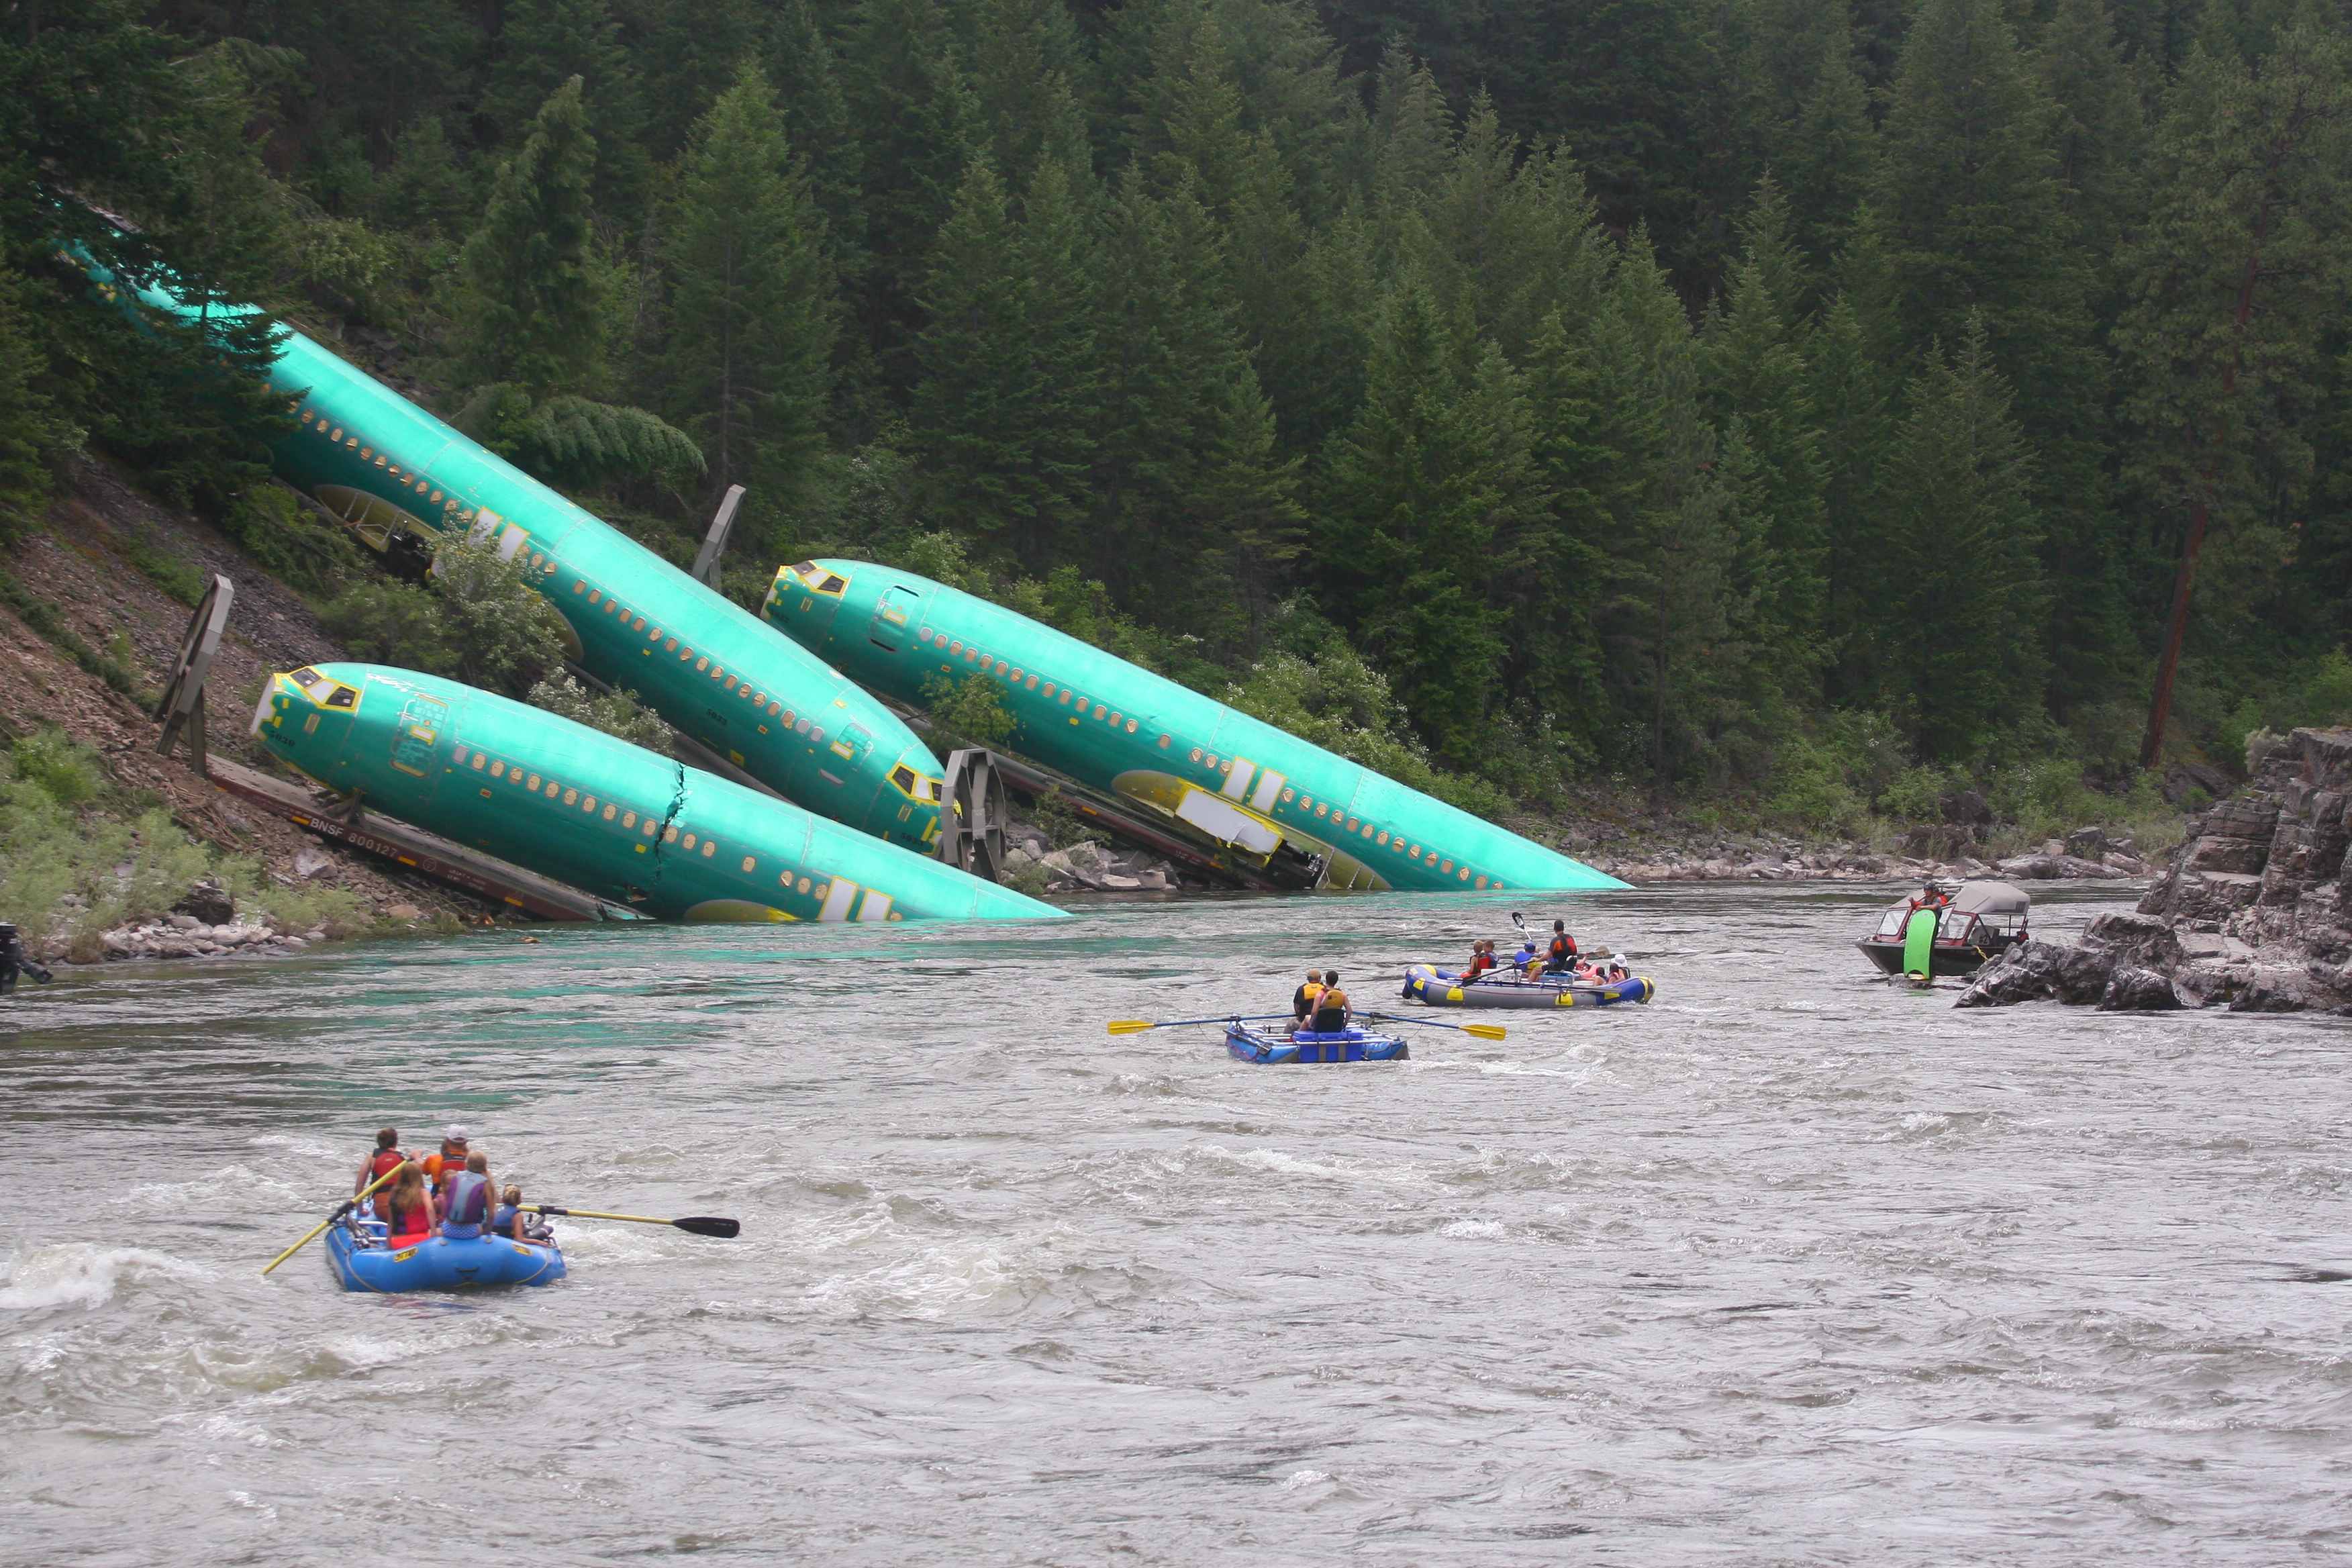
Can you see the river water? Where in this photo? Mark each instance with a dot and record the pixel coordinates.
(1789, 1266)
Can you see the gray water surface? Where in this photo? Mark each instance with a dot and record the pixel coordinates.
(1789, 1266)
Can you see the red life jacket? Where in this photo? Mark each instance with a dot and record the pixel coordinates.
(383, 1163)
(1563, 949)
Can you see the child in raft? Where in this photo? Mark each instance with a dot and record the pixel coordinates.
(512, 1222)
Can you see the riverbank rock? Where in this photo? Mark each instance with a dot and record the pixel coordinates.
(2254, 913)
(206, 901)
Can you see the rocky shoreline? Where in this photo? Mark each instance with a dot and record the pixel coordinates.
(2254, 915)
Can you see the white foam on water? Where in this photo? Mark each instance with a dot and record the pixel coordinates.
(1298, 1478)
(255, 1188)
(942, 1280)
(84, 1274)
(1474, 1230)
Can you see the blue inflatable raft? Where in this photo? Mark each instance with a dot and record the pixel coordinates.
(1437, 988)
(357, 1252)
(1280, 1048)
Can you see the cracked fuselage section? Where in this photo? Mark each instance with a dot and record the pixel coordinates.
(596, 812)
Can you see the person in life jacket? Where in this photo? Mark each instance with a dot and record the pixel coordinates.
(386, 1158)
(1331, 1007)
(1559, 958)
(407, 1209)
(1482, 959)
(1528, 961)
(512, 1222)
(469, 1200)
(1302, 1000)
(449, 1159)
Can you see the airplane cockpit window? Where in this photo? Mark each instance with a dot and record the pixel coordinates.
(834, 584)
(915, 786)
(342, 697)
(806, 569)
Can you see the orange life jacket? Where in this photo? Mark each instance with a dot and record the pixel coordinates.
(383, 1163)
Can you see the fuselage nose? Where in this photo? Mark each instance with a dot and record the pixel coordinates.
(805, 599)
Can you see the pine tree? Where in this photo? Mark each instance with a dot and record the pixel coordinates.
(1186, 469)
(1963, 657)
(531, 308)
(1666, 602)
(919, 124)
(1415, 493)
(2099, 134)
(1849, 388)
(753, 312)
(1757, 376)
(1031, 82)
(30, 432)
(542, 45)
(2246, 248)
(1974, 227)
(1004, 414)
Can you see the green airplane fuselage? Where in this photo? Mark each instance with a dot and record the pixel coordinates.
(1228, 776)
(596, 812)
(385, 467)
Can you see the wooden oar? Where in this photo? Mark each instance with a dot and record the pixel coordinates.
(725, 1229)
(341, 1210)
(1478, 1031)
(1136, 1025)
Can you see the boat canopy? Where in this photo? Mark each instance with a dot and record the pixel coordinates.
(1991, 898)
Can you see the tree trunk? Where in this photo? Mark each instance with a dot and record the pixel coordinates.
(2160, 706)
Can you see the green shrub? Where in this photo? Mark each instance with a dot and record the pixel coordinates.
(175, 577)
(1914, 794)
(1064, 829)
(622, 714)
(68, 772)
(482, 622)
(1339, 701)
(967, 712)
(1809, 793)
(43, 617)
(290, 542)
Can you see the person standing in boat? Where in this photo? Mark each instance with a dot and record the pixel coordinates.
(1302, 1000)
(1559, 958)
(467, 1199)
(1331, 1007)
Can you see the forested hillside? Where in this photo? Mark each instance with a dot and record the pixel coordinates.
(1769, 402)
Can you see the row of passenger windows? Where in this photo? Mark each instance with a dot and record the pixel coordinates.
(647, 824)
(421, 488)
(1029, 680)
(760, 700)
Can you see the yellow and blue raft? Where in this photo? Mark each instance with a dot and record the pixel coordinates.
(1504, 988)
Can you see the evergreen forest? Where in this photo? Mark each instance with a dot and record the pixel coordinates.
(1795, 406)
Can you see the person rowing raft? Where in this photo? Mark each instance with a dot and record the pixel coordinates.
(1331, 1006)
(1302, 1000)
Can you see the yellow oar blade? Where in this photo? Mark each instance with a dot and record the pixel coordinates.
(1129, 1025)
(1485, 1031)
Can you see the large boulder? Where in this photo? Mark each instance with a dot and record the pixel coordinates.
(2088, 844)
(207, 904)
(1966, 808)
(2254, 913)
(2139, 991)
(2184, 780)
(2040, 970)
